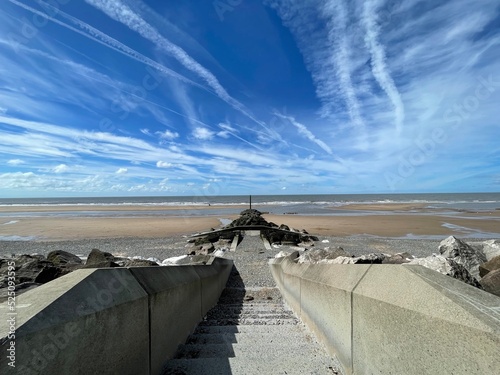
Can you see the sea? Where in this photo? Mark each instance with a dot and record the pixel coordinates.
(319, 204)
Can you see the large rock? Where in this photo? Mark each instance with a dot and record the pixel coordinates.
(463, 254)
(398, 258)
(138, 263)
(491, 282)
(319, 255)
(491, 249)
(373, 258)
(447, 266)
(62, 258)
(491, 265)
(98, 258)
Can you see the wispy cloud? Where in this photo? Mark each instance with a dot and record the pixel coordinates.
(378, 60)
(305, 132)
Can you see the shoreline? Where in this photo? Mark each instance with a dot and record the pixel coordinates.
(379, 220)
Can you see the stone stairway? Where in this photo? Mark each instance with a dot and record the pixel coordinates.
(250, 331)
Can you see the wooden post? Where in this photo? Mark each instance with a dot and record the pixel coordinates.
(250, 202)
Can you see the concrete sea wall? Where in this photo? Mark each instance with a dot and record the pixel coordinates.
(108, 321)
(394, 319)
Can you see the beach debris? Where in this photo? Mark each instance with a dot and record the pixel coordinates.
(325, 241)
(462, 253)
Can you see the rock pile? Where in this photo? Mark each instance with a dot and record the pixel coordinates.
(278, 235)
(475, 263)
(34, 270)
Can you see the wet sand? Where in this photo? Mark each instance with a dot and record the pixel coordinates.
(397, 220)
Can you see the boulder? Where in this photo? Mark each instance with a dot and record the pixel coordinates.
(138, 263)
(62, 258)
(491, 249)
(207, 248)
(98, 258)
(447, 266)
(284, 227)
(462, 253)
(319, 255)
(491, 282)
(398, 258)
(491, 265)
(373, 258)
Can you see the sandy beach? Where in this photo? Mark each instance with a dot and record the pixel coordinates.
(396, 220)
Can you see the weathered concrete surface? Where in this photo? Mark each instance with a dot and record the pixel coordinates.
(110, 321)
(383, 319)
(96, 314)
(412, 320)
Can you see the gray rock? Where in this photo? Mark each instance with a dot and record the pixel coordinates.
(463, 253)
(138, 263)
(491, 249)
(398, 258)
(62, 258)
(319, 255)
(98, 258)
(373, 258)
(491, 282)
(447, 266)
(491, 265)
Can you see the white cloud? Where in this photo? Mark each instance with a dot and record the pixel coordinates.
(167, 134)
(203, 134)
(15, 162)
(163, 164)
(61, 168)
(121, 171)
(3, 110)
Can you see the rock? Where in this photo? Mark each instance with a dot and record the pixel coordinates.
(219, 253)
(463, 254)
(491, 282)
(105, 264)
(98, 257)
(186, 260)
(447, 266)
(284, 227)
(319, 255)
(38, 271)
(207, 248)
(282, 254)
(491, 265)
(138, 263)
(491, 249)
(398, 258)
(62, 258)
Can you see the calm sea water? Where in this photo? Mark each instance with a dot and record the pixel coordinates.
(299, 204)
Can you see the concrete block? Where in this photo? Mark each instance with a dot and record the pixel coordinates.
(81, 323)
(326, 305)
(213, 280)
(412, 320)
(174, 307)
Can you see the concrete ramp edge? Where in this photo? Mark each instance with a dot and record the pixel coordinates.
(394, 319)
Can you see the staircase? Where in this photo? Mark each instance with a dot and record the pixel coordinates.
(250, 331)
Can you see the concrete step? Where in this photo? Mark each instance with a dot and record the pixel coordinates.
(249, 314)
(319, 365)
(286, 348)
(249, 337)
(257, 329)
(248, 321)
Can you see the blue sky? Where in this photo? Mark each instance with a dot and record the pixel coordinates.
(131, 97)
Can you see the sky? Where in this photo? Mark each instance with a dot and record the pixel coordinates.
(233, 97)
